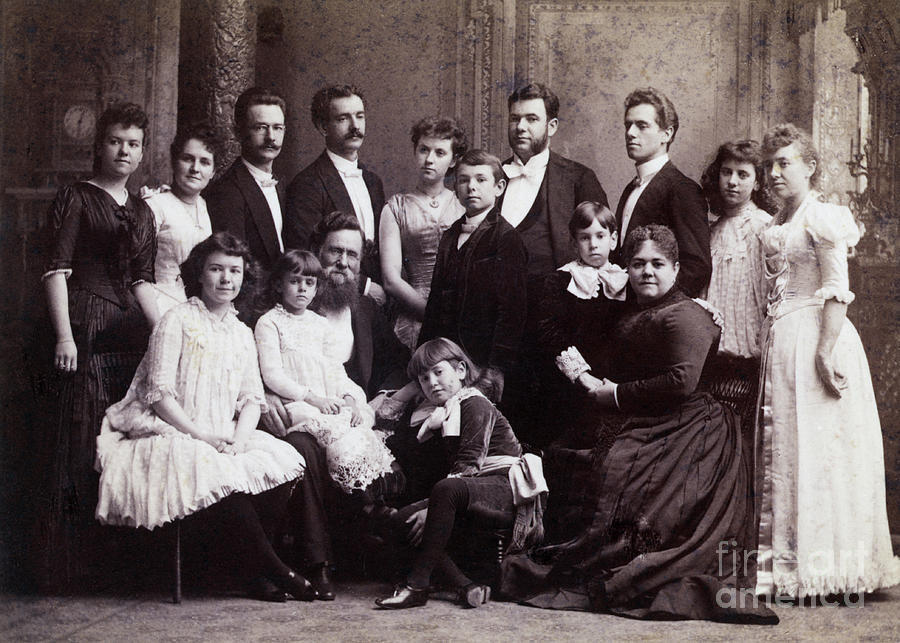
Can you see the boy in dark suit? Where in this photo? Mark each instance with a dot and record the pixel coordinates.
(660, 193)
(478, 288)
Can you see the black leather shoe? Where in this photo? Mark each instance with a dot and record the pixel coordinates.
(262, 589)
(474, 595)
(297, 586)
(404, 596)
(320, 578)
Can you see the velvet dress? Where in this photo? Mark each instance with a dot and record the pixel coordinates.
(674, 487)
(103, 249)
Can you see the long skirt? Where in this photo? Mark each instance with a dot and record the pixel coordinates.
(671, 530)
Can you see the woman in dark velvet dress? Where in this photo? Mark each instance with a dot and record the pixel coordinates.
(674, 510)
(102, 306)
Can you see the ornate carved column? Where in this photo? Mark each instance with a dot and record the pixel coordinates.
(218, 61)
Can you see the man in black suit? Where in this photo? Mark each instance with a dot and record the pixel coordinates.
(374, 359)
(336, 180)
(541, 195)
(247, 199)
(660, 193)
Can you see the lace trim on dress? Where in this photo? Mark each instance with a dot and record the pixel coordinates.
(157, 393)
(252, 398)
(294, 334)
(572, 364)
(839, 294)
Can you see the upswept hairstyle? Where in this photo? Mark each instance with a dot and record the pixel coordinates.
(126, 114)
(445, 128)
(251, 97)
(586, 213)
(666, 116)
(744, 151)
(333, 222)
(227, 244)
(660, 235)
(783, 135)
(201, 131)
(292, 262)
(440, 349)
(536, 90)
(321, 102)
(481, 157)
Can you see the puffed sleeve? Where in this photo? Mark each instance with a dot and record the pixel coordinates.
(684, 336)
(65, 219)
(156, 207)
(163, 355)
(271, 364)
(251, 382)
(833, 231)
(143, 245)
(475, 427)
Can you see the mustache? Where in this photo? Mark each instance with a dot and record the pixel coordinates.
(354, 133)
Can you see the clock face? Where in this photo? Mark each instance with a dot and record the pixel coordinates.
(79, 121)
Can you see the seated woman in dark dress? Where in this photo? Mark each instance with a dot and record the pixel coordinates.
(673, 510)
(484, 464)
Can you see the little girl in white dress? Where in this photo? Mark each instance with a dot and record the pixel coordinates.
(297, 361)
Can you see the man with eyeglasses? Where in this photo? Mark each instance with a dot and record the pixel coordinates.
(248, 201)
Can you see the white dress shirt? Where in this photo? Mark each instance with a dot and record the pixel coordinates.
(469, 226)
(266, 183)
(645, 172)
(524, 184)
(352, 177)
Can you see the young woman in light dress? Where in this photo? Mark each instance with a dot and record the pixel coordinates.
(184, 438)
(820, 465)
(412, 223)
(182, 220)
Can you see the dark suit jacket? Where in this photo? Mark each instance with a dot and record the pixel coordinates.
(379, 359)
(237, 204)
(319, 190)
(674, 200)
(485, 313)
(565, 185)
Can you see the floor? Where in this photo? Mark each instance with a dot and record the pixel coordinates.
(153, 617)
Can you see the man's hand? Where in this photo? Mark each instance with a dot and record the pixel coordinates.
(416, 524)
(276, 420)
(377, 293)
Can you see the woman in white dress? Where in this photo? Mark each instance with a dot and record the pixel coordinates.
(412, 223)
(172, 447)
(182, 220)
(820, 467)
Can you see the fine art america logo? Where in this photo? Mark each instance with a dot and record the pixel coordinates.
(828, 570)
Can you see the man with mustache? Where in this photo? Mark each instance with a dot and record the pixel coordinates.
(247, 199)
(336, 180)
(373, 357)
(660, 193)
(541, 195)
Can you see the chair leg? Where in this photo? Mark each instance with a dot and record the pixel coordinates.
(176, 587)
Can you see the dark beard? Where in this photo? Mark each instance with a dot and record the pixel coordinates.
(335, 297)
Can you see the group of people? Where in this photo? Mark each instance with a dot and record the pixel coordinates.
(419, 355)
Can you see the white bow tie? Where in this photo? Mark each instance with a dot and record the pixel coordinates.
(530, 172)
(268, 183)
(351, 173)
(469, 228)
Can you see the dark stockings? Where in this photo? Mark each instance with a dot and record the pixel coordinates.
(449, 499)
(249, 523)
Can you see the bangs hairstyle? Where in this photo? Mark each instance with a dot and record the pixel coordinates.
(783, 135)
(438, 350)
(292, 262)
(536, 90)
(209, 137)
(251, 97)
(320, 108)
(744, 151)
(586, 213)
(481, 157)
(443, 128)
(666, 116)
(125, 114)
(227, 244)
(660, 235)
